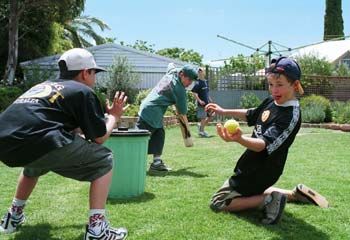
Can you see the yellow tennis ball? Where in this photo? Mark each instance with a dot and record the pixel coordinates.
(231, 126)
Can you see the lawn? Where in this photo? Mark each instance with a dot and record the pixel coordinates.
(176, 206)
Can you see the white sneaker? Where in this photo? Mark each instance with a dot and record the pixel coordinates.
(10, 223)
(100, 230)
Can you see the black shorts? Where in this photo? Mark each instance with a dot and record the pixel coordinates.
(156, 141)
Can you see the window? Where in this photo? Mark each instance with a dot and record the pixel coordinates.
(345, 61)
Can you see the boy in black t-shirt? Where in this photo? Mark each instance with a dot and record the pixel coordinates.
(38, 132)
(277, 121)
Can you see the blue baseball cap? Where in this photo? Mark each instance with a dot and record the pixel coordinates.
(286, 66)
(190, 72)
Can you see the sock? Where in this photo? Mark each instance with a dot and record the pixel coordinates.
(96, 214)
(267, 200)
(157, 159)
(97, 220)
(17, 206)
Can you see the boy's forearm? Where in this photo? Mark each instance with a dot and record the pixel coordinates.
(237, 113)
(254, 144)
(196, 96)
(110, 125)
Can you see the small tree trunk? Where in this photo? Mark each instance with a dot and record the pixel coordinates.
(12, 57)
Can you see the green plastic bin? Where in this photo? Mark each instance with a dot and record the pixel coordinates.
(129, 147)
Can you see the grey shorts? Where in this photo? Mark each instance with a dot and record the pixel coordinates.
(201, 113)
(80, 160)
(223, 197)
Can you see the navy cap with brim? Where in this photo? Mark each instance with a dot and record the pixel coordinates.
(286, 66)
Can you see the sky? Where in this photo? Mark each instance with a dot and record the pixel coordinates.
(195, 24)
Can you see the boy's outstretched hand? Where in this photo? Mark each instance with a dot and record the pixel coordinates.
(118, 105)
(214, 108)
(222, 132)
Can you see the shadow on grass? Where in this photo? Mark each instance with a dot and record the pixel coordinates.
(145, 197)
(43, 231)
(209, 136)
(179, 172)
(289, 227)
(186, 172)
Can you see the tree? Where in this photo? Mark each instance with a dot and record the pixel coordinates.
(141, 45)
(333, 21)
(244, 65)
(26, 17)
(80, 30)
(184, 55)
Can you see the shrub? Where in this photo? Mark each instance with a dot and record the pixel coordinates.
(142, 94)
(250, 100)
(120, 77)
(191, 107)
(341, 112)
(314, 100)
(8, 95)
(101, 95)
(132, 110)
(313, 114)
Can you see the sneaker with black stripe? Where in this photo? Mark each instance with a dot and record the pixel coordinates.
(10, 222)
(99, 229)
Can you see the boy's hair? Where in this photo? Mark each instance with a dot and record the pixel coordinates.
(64, 73)
(201, 73)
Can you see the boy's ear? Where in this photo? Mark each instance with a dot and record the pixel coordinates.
(82, 76)
(298, 88)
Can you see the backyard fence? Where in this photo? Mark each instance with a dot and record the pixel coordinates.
(331, 87)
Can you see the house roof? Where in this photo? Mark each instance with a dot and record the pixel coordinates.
(330, 50)
(104, 55)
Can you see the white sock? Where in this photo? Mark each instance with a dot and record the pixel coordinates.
(93, 212)
(17, 206)
(156, 159)
(97, 220)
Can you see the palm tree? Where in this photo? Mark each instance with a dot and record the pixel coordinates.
(80, 31)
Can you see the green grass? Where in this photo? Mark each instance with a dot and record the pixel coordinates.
(176, 206)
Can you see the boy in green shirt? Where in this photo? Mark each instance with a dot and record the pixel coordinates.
(171, 89)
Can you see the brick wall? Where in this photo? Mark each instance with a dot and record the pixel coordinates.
(130, 122)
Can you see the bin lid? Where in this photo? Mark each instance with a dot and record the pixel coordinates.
(121, 131)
